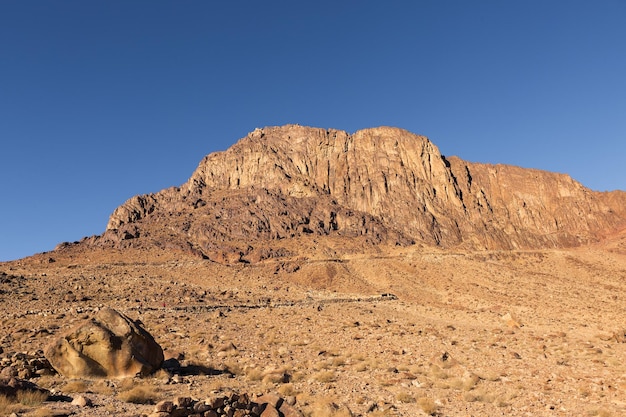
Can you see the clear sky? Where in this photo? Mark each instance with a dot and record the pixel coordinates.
(104, 100)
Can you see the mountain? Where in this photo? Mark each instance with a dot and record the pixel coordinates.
(381, 185)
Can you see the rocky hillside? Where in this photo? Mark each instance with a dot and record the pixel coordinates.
(384, 185)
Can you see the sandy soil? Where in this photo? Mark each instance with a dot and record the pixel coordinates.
(515, 333)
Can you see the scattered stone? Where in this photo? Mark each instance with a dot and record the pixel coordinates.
(82, 401)
(511, 321)
(233, 405)
(24, 365)
(10, 387)
(164, 407)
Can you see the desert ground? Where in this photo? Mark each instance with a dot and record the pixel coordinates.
(392, 331)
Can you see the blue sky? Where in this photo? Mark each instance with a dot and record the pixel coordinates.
(103, 100)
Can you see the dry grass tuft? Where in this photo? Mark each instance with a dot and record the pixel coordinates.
(287, 390)
(31, 398)
(75, 385)
(102, 387)
(361, 367)
(405, 397)
(427, 405)
(161, 374)
(42, 412)
(254, 374)
(7, 405)
(325, 408)
(601, 412)
(479, 395)
(325, 376)
(381, 413)
(141, 394)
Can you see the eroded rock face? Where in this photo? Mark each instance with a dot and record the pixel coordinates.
(384, 183)
(108, 345)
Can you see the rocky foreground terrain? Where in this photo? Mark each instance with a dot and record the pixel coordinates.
(412, 284)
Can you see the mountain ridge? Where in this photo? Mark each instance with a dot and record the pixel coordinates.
(385, 184)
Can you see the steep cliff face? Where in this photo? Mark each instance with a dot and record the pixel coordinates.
(383, 183)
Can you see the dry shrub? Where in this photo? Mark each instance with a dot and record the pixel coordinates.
(254, 374)
(298, 376)
(329, 409)
(381, 413)
(42, 412)
(7, 405)
(274, 378)
(233, 367)
(287, 390)
(31, 398)
(361, 367)
(338, 361)
(102, 387)
(141, 394)
(479, 395)
(417, 369)
(470, 382)
(325, 364)
(161, 374)
(438, 373)
(325, 376)
(405, 397)
(75, 385)
(595, 412)
(427, 405)
(126, 384)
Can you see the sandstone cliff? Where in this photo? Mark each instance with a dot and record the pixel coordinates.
(384, 184)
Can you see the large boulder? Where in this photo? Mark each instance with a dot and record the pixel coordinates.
(108, 345)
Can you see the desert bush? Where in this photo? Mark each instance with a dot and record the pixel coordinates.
(602, 412)
(31, 398)
(102, 387)
(338, 361)
(325, 376)
(361, 367)
(324, 408)
(274, 377)
(7, 405)
(438, 373)
(405, 397)
(427, 405)
(325, 364)
(254, 374)
(75, 385)
(233, 367)
(42, 412)
(141, 394)
(287, 390)
(479, 395)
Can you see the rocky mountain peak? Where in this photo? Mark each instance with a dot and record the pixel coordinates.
(384, 183)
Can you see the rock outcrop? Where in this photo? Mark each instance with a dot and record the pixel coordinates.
(109, 345)
(385, 184)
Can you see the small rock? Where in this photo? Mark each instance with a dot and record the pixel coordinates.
(164, 406)
(270, 411)
(270, 399)
(82, 401)
(183, 402)
(287, 410)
